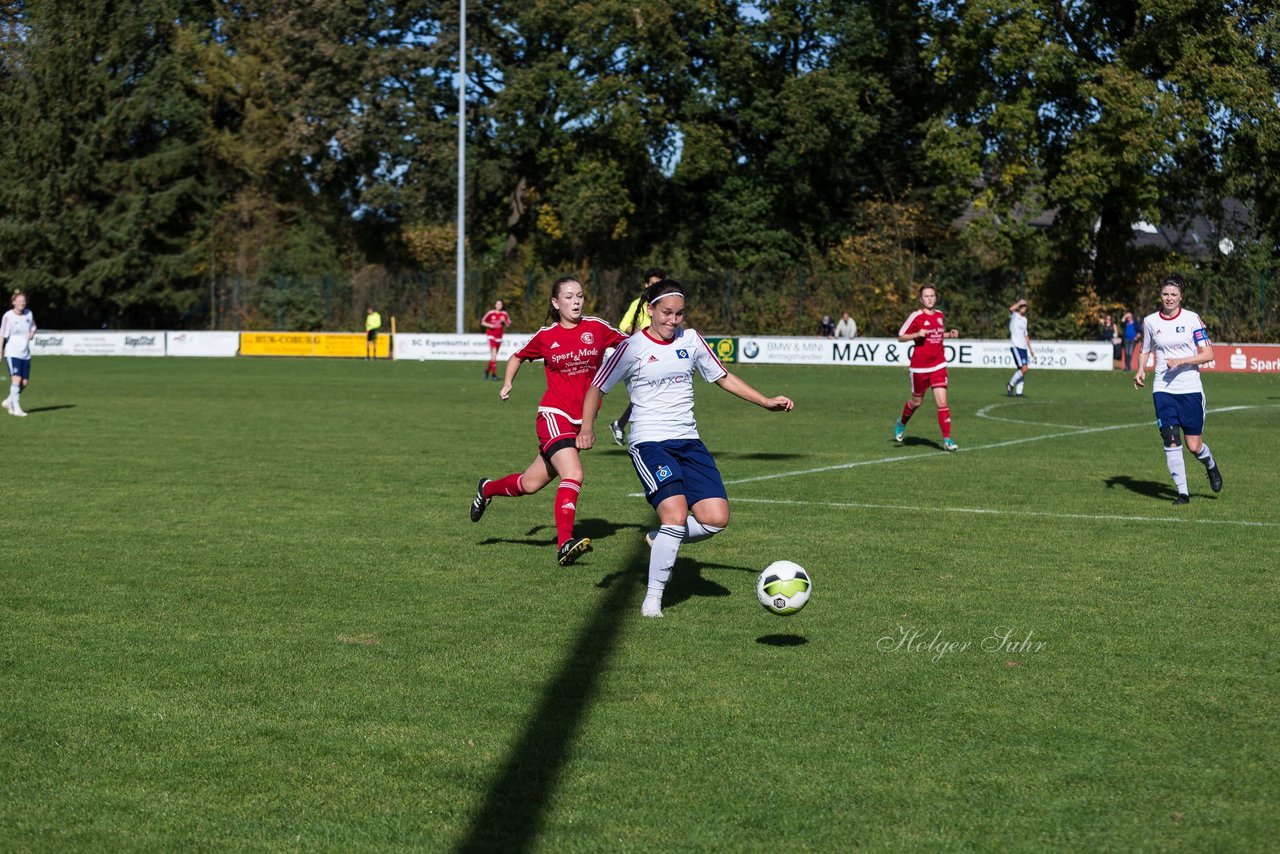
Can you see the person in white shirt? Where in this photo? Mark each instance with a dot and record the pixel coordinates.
(677, 471)
(1178, 343)
(846, 328)
(17, 328)
(1020, 346)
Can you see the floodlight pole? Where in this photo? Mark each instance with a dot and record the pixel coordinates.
(462, 163)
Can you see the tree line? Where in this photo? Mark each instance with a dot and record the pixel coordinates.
(194, 163)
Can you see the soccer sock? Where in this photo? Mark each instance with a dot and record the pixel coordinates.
(14, 391)
(511, 486)
(907, 411)
(944, 421)
(696, 532)
(662, 559)
(566, 509)
(1205, 457)
(1016, 378)
(1177, 468)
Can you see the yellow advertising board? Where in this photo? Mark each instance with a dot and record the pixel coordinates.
(343, 345)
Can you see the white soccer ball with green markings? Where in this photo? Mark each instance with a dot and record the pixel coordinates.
(784, 587)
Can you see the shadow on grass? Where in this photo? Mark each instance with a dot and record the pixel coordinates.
(782, 640)
(514, 810)
(913, 441)
(51, 408)
(542, 536)
(1149, 488)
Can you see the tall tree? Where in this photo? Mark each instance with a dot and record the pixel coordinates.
(1104, 112)
(100, 180)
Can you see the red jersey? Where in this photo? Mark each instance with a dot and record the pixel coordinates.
(928, 354)
(501, 320)
(570, 357)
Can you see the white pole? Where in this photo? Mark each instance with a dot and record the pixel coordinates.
(462, 162)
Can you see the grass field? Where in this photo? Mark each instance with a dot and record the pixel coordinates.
(242, 607)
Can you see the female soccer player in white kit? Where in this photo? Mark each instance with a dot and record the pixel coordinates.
(680, 478)
(1180, 342)
(16, 329)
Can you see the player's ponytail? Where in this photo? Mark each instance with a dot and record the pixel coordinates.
(553, 313)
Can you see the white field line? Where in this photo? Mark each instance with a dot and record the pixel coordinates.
(988, 511)
(935, 454)
(982, 413)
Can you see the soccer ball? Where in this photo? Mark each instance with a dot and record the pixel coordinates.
(784, 587)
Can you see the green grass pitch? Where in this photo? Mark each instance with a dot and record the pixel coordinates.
(242, 607)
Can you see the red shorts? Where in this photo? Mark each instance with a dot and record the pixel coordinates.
(555, 432)
(920, 383)
(494, 340)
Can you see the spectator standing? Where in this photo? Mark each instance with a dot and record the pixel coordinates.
(826, 328)
(372, 323)
(1129, 330)
(846, 328)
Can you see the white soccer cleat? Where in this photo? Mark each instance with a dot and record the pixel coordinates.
(6, 405)
(17, 410)
(651, 607)
(649, 537)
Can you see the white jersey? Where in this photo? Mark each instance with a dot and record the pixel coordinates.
(1018, 330)
(659, 377)
(17, 330)
(1177, 337)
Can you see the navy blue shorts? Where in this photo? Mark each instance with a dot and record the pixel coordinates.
(678, 467)
(1019, 356)
(19, 367)
(1180, 410)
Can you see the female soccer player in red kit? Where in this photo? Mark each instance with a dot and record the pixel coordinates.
(495, 322)
(571, 349)
(926, 328)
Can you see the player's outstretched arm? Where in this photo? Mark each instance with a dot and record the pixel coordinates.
(737, 386)
(590, 406)
(509, 377)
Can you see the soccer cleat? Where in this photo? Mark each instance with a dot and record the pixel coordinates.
(616, 429)
(651, 607)
(5, 404)
(899, 430)
(649, 537)
(1215, 479)
(572, 549)
(948, 445)
(1008, 390)
(1182, 498)
(479, 503)
(17, 410)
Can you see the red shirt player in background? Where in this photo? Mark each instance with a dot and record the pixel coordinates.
(495, 322)
(571, 349)
(926, 328)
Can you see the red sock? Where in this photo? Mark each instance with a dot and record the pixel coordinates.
(566, 509)
(907, 411)
(493, 368)
(944, 421)
(510, 486)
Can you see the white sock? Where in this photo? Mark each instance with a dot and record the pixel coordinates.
(1177, 468)
(1016, 378)
(1205, 457)
(662, 559)
(696, 532)
(14, 391)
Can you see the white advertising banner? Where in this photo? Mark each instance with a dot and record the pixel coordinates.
(203, 343)
(98, 343)
(424, 345)
(891, 353)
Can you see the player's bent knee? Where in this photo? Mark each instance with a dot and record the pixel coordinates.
(1169, 434)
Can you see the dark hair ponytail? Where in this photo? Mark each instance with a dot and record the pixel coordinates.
(553, 314)
(661, 289)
